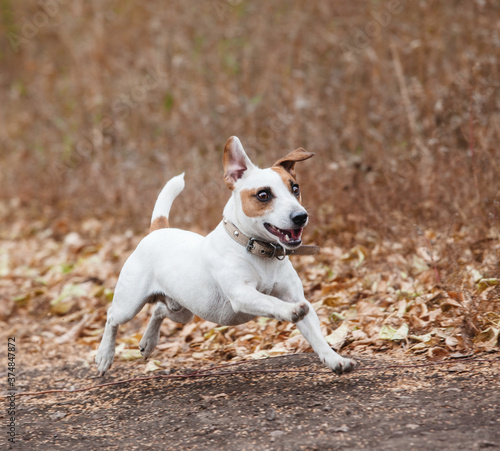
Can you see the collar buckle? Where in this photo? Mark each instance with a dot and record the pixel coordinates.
(249, 247)
(278, 251)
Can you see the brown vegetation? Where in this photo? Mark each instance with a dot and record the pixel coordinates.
(103, 101)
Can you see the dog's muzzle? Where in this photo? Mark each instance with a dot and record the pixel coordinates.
(263, 248)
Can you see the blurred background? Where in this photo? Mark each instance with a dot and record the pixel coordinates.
(103, 101)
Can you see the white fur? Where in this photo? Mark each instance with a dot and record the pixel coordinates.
(214, 277)
(167, 195)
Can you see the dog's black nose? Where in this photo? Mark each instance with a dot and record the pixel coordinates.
(299, 218)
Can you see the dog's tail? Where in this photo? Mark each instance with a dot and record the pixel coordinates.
(170, 191)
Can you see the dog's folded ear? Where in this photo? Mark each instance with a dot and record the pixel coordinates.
(235, 162)
(288, 162)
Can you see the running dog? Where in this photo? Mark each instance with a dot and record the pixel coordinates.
(239, 271)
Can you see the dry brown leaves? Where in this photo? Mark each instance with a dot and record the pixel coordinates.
(376, 296)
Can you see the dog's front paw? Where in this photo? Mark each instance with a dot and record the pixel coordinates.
(299, 311)
(342, 365)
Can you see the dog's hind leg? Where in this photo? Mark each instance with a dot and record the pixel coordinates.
(165, 308)
(152, 335)
(130, 297)
(106, 352)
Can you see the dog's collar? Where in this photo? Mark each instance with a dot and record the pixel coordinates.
(264, 248)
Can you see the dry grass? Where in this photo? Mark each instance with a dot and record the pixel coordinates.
(108, 99)
(103, 101)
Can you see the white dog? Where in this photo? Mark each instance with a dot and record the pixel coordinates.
(239, 271)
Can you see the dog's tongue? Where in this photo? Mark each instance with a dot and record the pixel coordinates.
(286, 236)
(295, 234)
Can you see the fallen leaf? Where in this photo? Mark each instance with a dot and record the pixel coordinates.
(488, 338)
(422, 338)
(126, 354)
(437, 353)
(338, 337)
(67, 299)
(153, 365)
(483, 284)
(389, 333)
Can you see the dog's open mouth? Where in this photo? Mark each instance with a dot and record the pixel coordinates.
(291, 237)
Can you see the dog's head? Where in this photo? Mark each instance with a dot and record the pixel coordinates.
(267, 201)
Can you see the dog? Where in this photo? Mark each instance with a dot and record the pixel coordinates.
(239, 271)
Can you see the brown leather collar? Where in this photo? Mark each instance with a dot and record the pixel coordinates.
(264, 248)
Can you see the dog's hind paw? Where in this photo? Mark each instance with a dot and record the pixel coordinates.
(103, 361)
(147, 345)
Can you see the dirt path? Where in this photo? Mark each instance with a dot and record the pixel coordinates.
(446, 407)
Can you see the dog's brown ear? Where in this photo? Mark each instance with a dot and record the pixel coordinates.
(235, 162)
(288, 162)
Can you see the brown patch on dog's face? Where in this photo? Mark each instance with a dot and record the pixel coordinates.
(288, 180)
(159, 223)
(251, 204)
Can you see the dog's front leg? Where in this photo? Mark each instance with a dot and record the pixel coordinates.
(310, 328)
(291, 290)
(245, 298)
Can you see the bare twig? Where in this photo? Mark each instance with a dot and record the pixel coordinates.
(76, 330)
(412, 122)
(433, 262)
(472, 144)
(211, 373)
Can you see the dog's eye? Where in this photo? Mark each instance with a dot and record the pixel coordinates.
(296, 190)
(264, 195)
